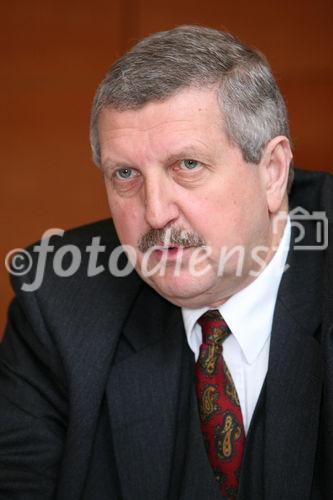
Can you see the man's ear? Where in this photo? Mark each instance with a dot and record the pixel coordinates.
(275, 163)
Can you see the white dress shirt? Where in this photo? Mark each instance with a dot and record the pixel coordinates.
(249, 315)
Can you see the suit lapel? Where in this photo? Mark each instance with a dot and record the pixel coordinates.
(91, 340)
(143, 397)
(294, 385)
(294, 381)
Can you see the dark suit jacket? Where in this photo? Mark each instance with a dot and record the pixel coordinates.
(96, 386)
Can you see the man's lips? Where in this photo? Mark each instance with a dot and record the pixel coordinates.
(168, 248)
(169, 252)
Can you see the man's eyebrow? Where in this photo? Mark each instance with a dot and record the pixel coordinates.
(110, 164)
(188, 153)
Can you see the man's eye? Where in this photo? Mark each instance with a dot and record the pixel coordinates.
(124, 173)
(190, 164)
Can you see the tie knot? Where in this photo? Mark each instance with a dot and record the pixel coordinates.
(214, 329)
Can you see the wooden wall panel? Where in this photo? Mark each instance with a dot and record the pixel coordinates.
(54, 53)
(53, 56)
(297, 39)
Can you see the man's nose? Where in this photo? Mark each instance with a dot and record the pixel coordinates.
(161, 208)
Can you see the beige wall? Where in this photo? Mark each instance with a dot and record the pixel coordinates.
(53, 55)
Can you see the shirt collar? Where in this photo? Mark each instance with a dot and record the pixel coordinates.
(249, 313)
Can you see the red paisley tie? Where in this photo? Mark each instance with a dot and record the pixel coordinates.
(220, 412)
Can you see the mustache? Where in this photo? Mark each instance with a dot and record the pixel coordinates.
(171, 236)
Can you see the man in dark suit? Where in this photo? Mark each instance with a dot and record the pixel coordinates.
(207, 373)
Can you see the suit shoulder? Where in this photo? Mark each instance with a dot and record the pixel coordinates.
(69, 251)
(74, 269)
(80, 235)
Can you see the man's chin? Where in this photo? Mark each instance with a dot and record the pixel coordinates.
(203, 289)
(182, 290)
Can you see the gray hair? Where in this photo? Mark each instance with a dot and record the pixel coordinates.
(193, 56)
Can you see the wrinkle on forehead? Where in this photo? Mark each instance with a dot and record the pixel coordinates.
(116, 128)
(186, 106)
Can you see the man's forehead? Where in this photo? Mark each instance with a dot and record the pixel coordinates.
(187, 125)
(183, 107)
